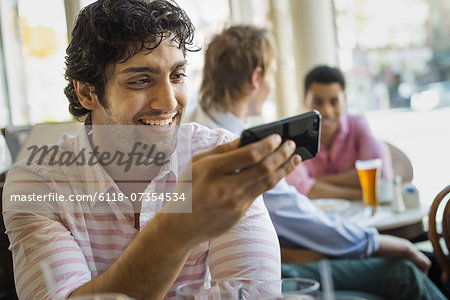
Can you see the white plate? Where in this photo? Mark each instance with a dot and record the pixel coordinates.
(331, 205)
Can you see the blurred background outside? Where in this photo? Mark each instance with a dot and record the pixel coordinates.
(394, 54)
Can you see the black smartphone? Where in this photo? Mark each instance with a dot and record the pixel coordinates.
(303, 129)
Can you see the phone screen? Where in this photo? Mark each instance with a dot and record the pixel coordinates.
(303, 129)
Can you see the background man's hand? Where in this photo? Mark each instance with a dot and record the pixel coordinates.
(391, 246)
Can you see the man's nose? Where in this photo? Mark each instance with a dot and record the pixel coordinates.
(327, 110)
(163, 97)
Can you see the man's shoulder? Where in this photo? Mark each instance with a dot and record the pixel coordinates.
(204, 138)
(357, 124)
(44, 160)
(44, 154)
(206, 134)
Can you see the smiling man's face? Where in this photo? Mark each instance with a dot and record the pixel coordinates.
(147, 90)
(329, 100)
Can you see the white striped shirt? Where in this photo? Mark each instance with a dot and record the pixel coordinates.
(78, 241)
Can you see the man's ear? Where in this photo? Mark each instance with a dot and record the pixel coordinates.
(256, 77)
(88, 99)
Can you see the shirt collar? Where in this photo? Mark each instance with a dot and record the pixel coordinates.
(95, 177)
(227, 120)
(343, 127)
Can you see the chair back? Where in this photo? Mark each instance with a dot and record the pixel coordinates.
(15, 137)
(400, 163)
(19, 138)
(435, 234)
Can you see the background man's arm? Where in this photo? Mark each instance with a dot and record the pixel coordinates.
(347, 178)
(328, 186)
(322, 189)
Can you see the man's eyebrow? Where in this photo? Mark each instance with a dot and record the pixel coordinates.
(179, 64)
(147, 69)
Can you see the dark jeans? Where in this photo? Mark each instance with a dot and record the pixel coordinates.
(386, 278)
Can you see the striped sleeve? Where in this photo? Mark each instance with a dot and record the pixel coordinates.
(38, 239)
(204, 139)
(249, 250)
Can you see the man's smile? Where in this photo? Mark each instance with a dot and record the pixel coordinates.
(160, 122)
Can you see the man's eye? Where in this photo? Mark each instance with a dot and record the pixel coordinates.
(317, 102)
(179, 76)
(139, 82)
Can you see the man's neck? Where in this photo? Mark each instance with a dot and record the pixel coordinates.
(130, 178)
(240, 109)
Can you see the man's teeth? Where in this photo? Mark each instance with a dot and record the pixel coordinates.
(157, 122)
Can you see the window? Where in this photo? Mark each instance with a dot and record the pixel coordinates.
(208, 17)
(34, 38)
(396, 58)
(4, 110)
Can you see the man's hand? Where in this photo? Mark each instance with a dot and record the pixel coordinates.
(391, 246)
(225, 182)
(418, 258)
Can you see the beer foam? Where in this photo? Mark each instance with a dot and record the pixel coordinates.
(368, 164)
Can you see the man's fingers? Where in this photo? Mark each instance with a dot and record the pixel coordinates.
(262, 183)
(243, 157)
(423, 262)
(269, 164)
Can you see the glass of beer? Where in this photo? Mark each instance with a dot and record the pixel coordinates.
(368, 173)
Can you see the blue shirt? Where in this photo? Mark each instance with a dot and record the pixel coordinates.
(295, 218)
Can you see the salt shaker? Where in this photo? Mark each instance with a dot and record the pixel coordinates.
(398, 205)
(411, 196)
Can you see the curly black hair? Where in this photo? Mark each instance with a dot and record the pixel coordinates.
(109, 31)
(324, 74)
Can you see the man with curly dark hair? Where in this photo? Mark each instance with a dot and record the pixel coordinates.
(136, 203)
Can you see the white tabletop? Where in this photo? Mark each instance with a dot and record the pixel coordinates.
(384, 217)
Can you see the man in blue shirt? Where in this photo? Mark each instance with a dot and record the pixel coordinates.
(236, 82)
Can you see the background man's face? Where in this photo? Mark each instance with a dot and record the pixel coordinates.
(329, 100)
(147, 90)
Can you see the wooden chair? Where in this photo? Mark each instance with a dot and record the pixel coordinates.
(300, 256)
(291, 253)
(434, 235)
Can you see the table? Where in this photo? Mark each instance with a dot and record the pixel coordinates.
(407, 224)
